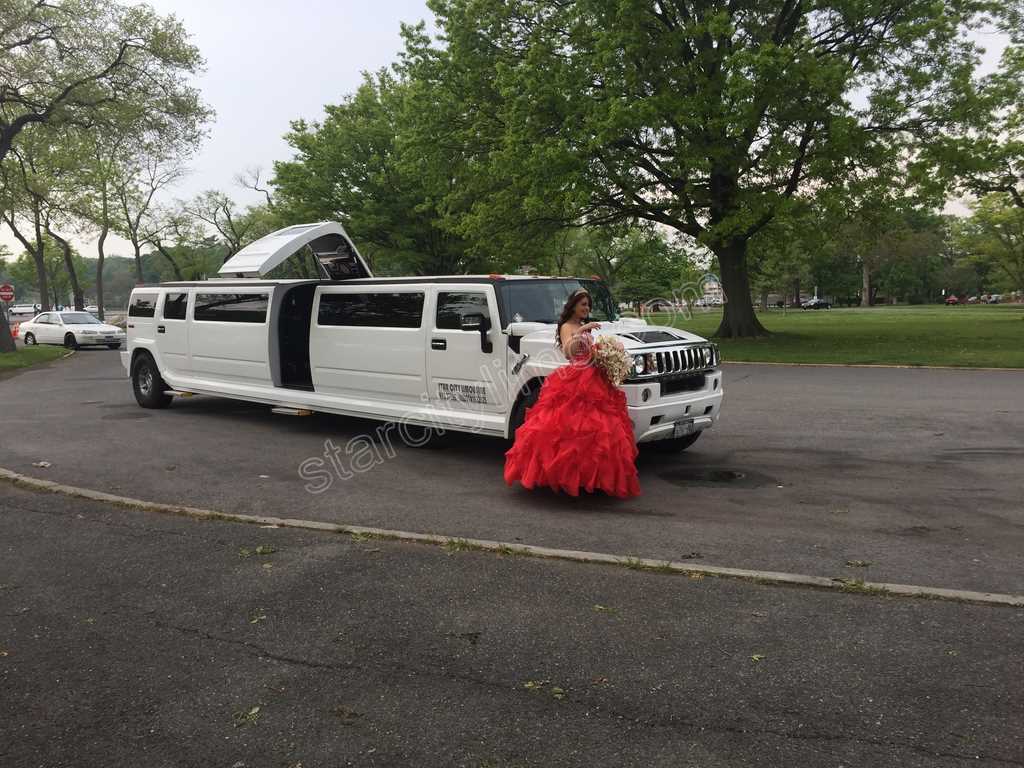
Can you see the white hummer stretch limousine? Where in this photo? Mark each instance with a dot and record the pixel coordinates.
(466, 353)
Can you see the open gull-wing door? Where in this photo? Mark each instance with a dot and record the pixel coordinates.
(337, 257)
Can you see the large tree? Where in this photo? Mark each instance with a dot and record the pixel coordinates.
(704, 117)
(994, 235)
(983, 151)
(74, 62)
(357, 166)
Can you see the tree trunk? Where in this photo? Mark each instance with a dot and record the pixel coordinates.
(764, 301)
(738, 318)
(865, 291)
(69, 263)
(39, 256)
(796, 292)
(99, 272)
(138, 265)
(6, 340)
(101, 254)
(174, 265)
(36, 250)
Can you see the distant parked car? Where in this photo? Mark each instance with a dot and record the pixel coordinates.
(995, 298)
(816, 303)
(972, 300)
(20, 312)
(951, 300)
(93, 310)
(72, 329)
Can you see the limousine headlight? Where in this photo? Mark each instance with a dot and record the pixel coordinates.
(638, 365)
(88, 333)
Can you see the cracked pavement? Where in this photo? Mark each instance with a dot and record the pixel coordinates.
(135, 639)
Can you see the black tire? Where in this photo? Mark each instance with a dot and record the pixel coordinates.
(30, 339)
(519, 412)
(147, 384)
(113, 346)
(674, 444)
(70, 341)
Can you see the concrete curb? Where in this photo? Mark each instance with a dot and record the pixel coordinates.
(872, 365)
(529, 550)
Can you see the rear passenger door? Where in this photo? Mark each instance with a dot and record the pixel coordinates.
(466, 367)
(172, 332)
(228, 335)
(367, 343)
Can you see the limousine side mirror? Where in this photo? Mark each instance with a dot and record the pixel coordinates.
(475, 321)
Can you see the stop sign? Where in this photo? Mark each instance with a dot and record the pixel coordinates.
(6, 292)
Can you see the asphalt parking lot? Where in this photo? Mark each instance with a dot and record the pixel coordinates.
(911, 476)
(132, 639)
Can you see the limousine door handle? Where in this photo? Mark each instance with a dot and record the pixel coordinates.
(161, 329)
(439, 343)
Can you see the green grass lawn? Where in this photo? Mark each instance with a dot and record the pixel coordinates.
(968, 336)
(26, 356)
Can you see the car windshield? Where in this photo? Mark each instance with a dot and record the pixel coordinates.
(541, 301)
(79, 318)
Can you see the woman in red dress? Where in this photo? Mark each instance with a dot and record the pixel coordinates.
(578, 434)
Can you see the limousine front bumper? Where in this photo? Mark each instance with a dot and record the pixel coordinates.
(658, 416)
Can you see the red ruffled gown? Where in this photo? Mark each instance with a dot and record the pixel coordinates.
(577, 435)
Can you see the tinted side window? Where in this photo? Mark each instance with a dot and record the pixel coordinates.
(175, 305)
(143, 305)
(452, 307)
(379, 310)
(231, 307)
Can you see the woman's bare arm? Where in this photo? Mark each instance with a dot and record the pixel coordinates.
(571, 339)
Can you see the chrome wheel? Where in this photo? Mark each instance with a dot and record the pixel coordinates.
(145, 379)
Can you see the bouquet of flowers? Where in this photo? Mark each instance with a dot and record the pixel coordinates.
(610, 356)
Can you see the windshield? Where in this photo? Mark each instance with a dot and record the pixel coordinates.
(541, 301)
(79, 318)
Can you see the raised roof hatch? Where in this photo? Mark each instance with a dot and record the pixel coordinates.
(337, 256)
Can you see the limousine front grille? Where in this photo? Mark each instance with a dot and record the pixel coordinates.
(671, 362)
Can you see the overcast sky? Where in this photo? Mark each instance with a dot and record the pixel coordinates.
(268, 63)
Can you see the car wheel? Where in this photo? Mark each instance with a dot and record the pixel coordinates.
(30, 339)
(674, 444)
(526, 402)
(70, 341)
(148, 385)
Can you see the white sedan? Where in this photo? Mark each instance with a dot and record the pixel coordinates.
(72, 329)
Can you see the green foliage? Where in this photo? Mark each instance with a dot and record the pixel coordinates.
(355, 167)
(991, 244)
(982, 151)
(81, 64)
(23, 270)
(708, 119)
